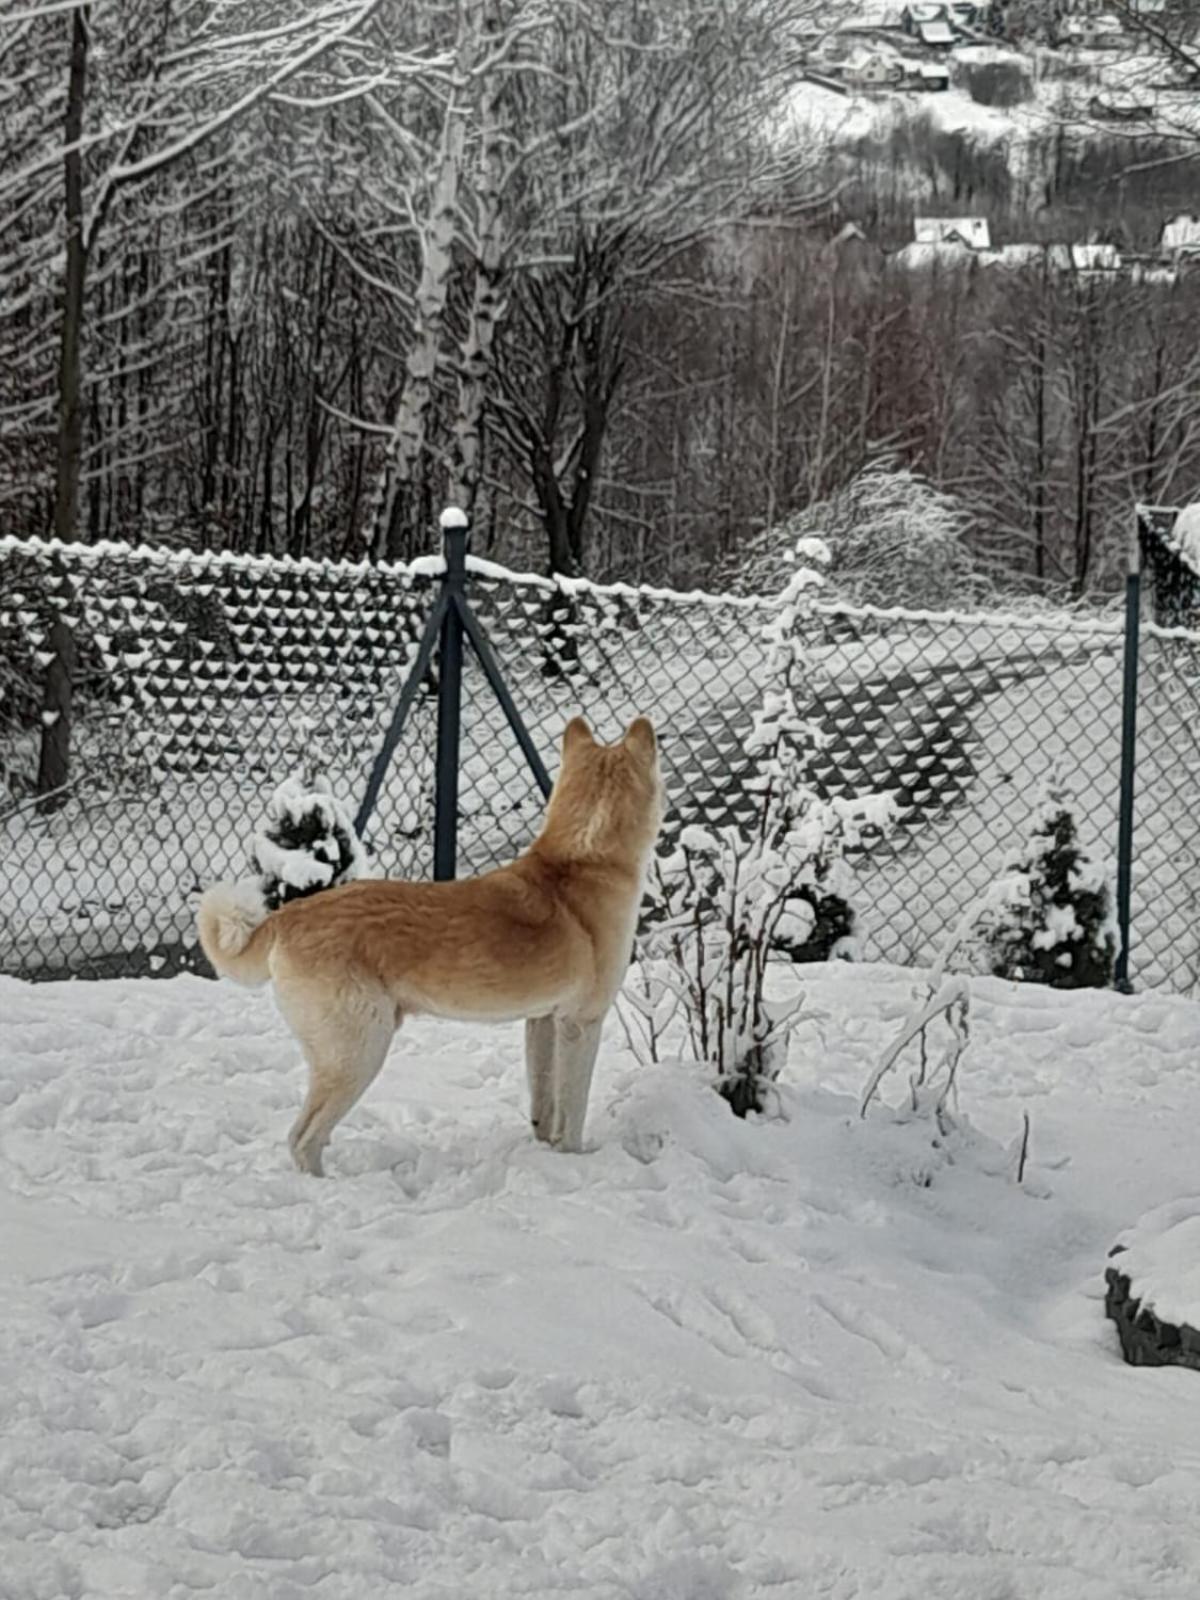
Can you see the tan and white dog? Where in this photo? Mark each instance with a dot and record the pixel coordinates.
(547, 939)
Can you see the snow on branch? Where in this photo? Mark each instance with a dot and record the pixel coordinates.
(952, 1001)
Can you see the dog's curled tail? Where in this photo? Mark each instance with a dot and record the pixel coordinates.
(237, 932)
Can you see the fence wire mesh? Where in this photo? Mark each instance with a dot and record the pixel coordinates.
(202, 682)
(959, 719)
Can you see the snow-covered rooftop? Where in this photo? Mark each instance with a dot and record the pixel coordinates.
(970, 231)
(1181, 234)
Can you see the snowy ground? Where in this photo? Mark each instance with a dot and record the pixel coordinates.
(805, 1357)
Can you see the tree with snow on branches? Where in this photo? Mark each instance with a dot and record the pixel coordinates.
(1049, 917)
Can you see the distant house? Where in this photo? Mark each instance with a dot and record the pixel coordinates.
(1016, 257)
(949, 243)
(952, 255)
(873, 70)
(1102, 32)
(928, 22)
(1117, 107)
(963, 18)
(919, 12)
(1151, 272)
(971, 232)
(930, 75)
(1181, 237)
(1086, 260)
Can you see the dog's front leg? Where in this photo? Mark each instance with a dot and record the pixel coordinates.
(575, 1047)
(539, 1066)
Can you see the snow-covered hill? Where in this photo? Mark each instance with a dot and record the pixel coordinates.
(803, 1357)
(1081, 94)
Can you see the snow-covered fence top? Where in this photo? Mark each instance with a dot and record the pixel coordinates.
(203, 680)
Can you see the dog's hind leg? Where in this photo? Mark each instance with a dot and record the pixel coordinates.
(539, 1067)
(344, 1047)
(575, 1047)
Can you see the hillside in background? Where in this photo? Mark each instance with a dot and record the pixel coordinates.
(1052, 140)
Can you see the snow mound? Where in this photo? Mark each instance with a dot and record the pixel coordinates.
(1161, 1258)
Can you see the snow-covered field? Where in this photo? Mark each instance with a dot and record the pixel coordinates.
(803, 1357)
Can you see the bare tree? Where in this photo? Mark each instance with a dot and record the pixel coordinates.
(151, 92)
(661, 144)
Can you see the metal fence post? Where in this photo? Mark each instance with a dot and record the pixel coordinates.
(1133, 620)
(455, 531)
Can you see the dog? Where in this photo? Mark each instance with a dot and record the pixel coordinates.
(546, 939)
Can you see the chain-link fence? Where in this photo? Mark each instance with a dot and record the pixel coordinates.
(201, 682)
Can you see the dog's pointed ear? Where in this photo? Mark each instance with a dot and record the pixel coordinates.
(640, 739)
(576, 734)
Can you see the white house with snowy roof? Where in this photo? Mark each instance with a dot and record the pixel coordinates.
(1181, 237)
(928, 22)
(873, 69)
(973, 232)
(964, 17)
(1085, 260)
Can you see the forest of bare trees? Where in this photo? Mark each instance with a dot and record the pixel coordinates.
(286, 277)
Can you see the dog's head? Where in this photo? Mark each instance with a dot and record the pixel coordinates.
(609, 798)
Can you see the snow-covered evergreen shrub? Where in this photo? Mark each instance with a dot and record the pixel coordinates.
(307, 843)
(893, 540)
(1049, 917)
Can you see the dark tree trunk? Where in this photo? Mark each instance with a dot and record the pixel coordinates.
(70, 362)
(54, 761)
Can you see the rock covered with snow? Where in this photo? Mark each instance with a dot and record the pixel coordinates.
(1154, 1286)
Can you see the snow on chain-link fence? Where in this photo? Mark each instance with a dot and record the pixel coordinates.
(197, 683)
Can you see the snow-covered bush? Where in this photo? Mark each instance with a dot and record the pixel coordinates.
(932, 1096)
(1049, 917)
(725, 900)
(718, 905)
(893, 540)
(307, 843)
(929, 1087)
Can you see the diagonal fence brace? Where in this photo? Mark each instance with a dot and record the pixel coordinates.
(450, 620)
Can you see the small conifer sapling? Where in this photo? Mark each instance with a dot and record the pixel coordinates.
(307, 843)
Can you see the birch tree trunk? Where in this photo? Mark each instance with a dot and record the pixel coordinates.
(393, 533)
(487, 292)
